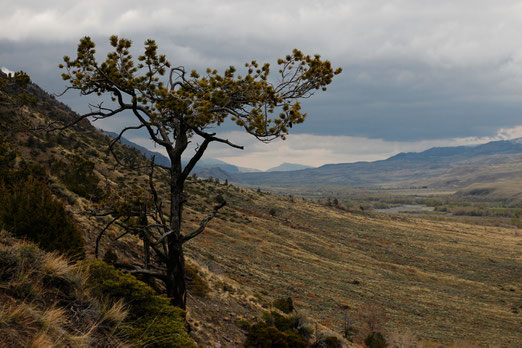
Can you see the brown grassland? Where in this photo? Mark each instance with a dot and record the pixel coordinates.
(444, 280)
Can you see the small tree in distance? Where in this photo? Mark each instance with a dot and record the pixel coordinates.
(174, 105)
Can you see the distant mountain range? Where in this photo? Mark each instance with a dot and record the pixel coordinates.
(287, 167)
(450, 167)
(512, 146)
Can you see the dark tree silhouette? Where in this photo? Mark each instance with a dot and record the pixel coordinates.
(174, 105)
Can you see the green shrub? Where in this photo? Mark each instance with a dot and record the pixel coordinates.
(266, 336)
(285, 304)
(30, 211)
(152, 321)
(196, 285)
(282, 323)
(328, 342)
(375, 340)
(275, 330)
(7, 158)
(219, 198)
(243, 324)
(110, 257)
(78, 176)
(25, 171)
(303, 326)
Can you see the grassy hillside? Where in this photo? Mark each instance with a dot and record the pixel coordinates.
(444, 280)
(46, 302)
(509, 190)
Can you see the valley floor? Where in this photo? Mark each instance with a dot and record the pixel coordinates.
(446, 281)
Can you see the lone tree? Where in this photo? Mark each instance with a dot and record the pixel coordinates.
(174, 105)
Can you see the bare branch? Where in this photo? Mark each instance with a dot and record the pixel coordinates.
(123, 234)
(199, 153)
(180, 71)
(212, 137)
(52, 126)
(203, 223)
(226, 141)
(116, 140)
(133, 270)
(162, 238)
(159, 253)
(165, 141)
(148, 272)
(136, 109)
(98, 238)
(95, 213)
(157, 202)
(208, 138)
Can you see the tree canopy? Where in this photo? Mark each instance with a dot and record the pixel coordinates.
(173, 105)
(264, 109)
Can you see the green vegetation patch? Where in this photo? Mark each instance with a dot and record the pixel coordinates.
(29, 210)
(44, 302)
(152, 321)
(285, 304)
(196, 285)
(276, 330)
(78, 176)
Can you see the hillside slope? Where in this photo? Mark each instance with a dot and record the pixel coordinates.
(217, 305)
(444, 280)
(45, 302)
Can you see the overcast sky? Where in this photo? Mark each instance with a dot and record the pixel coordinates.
(416, 73)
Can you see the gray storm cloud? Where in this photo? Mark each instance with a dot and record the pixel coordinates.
(413, 70)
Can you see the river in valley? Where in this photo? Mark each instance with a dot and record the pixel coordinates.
(408, 209)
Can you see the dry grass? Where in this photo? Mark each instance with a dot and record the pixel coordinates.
(406, 339)
(43, 302)
(444, 280)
